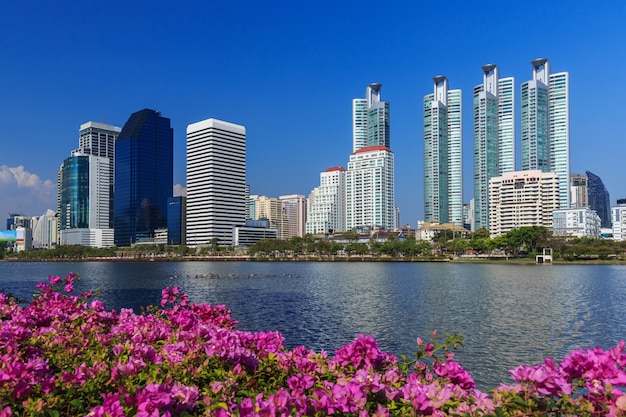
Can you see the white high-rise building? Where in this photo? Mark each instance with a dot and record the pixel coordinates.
(98, 139)
(326, 205)
(443, 150)
(295, 208)
(494, 136)
(545, 124)
(370, 119)
(370, 189)
(522, 198)
(216, 181)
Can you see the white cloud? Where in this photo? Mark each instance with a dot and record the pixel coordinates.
(25, 192)
(180, 190)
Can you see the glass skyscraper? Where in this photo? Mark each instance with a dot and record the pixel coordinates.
(545, 125)
(143, 176)
(599, 199)
(443, 167)
(494, 136)
(370, 120)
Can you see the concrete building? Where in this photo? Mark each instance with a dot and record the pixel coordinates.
(545, 125)
(522, 198)
(216, 181)
(579, 222)
(45, 230)
(253, 232)
(494, 136)
(443, 167)
(370, 189)
(326, 203)
(295, 208)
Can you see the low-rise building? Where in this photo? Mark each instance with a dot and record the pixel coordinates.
(579, 222)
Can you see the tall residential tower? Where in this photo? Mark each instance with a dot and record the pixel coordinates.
(494, 136)
(443, 168)
(545, 125)
(370, 119)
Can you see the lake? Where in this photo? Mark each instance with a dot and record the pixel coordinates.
(509, 314)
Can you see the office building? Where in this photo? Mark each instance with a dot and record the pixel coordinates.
(370, 189)
(545, 125)
(522, 198)
(176, 220)
(326, 203)
(295, 209)
(370, 120)
(84, 200)
(443, 168)
(253, 231)
(216, 181)
(494, 136)
(598, 197)
(579, 222)
(98, 139)
(578, 191)
(45, 230)
(144, 177)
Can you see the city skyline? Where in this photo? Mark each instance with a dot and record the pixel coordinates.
(281, 71)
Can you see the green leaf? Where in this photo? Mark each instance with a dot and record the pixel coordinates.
(76, 403)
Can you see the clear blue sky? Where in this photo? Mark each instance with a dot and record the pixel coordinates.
(288, 71)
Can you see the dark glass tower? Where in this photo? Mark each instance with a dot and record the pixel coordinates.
(144, 176)
(599, 199)
(74, 193)
(176, 207)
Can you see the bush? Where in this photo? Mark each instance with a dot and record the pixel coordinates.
(66, 355)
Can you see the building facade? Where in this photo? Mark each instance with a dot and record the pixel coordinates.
(545, 125)
(599, 198)
(216, 181)
(443, 167)
(144, 177)
(522, 198)
(273, 210)
(370, 189)
(579, 222)
(326, 203)
(494, 136)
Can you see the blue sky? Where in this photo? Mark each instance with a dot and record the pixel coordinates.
(288, 71)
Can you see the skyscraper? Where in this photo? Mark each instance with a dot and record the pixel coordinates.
(144, 176)
(84, 200)
(443, 168)
(494, 136)
(599, 199)
(216, 181)
(98, 139)
(370, 120)
(545, 124)
(370, 199)
(578, 191)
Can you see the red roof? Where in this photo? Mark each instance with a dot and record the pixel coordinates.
(372, 148)
(331, 169)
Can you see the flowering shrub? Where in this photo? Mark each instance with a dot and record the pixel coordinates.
(64, 355)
